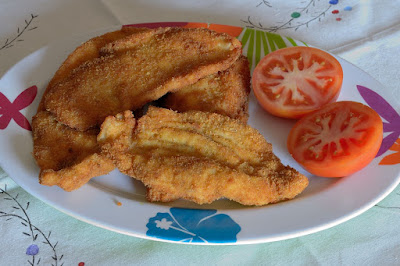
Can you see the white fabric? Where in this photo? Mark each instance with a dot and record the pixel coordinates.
(316, 23)
(368, 36)
(54, 20)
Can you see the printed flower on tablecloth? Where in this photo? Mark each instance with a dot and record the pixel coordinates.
(11, 110)
(281, 16)
(32, 250)
(40, 248)
(193, 225)
(392, 126)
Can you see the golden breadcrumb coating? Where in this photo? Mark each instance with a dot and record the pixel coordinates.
(138, 69)
(87, 51)
(226, 92)
(198, 156)
(67, 157)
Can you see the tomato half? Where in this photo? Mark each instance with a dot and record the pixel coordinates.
(294, 81)
(337, 140)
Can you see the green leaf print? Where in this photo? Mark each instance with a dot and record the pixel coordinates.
(275, 41)
(258, 43)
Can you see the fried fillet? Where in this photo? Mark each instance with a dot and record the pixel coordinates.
(67, 158)
(88, 51)
(225, 92)
(72, 163)
(137, 69)
(198, 156)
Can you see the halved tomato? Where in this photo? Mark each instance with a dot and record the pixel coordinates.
(292, 82)
(337, 140)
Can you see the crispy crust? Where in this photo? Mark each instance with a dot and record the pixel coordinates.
(226, 92)
(69, 157)
(88, 51)
(198, 156)
(131, 73)
(66, 157)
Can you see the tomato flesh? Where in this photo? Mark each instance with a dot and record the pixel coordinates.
(292, 82)
(337, 140)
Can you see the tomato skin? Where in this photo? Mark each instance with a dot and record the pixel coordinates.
(295, 81)
(360, 142)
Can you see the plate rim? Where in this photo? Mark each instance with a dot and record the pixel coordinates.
(143, 235)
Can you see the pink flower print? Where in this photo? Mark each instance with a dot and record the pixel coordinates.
(11, 110)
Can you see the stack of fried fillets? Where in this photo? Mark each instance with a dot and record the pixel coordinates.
(194, 145)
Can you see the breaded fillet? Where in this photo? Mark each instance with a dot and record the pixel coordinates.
(72, 163)
(67, 158)
(87, 51)
(225, 92)
(135, 70)
(198, 156)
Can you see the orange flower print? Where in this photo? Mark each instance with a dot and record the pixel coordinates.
(393, 158)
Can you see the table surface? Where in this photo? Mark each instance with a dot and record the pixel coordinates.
(366, 33)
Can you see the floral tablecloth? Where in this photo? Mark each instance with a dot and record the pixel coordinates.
(366, 33)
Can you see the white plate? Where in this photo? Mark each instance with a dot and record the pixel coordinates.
(325, 202)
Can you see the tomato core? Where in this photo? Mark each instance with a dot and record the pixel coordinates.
(337, 140)
(294, 81)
